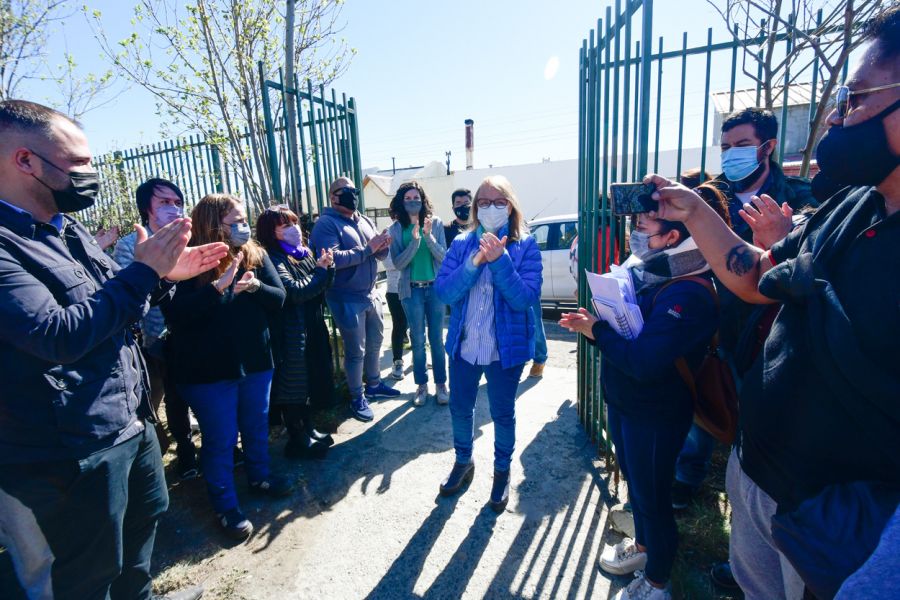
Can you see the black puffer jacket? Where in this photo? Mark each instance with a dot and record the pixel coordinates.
(299, 327)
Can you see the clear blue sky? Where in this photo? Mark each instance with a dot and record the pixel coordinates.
(422, 68)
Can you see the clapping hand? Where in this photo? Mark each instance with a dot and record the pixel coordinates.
(491, 247)
(166, 251)
(326, 259)
(106, 237)
(224, 282)
(770, 223)
(426, 228)
(415, 232)
(580, 322)
(247, 283)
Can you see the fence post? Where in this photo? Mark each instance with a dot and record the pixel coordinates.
(217, 168)
(270, 136)
(644, 125)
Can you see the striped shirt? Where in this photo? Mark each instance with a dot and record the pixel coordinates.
(479, 344)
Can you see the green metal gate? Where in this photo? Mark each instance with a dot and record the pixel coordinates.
(327, 142)
(622, 96)
(327, 139)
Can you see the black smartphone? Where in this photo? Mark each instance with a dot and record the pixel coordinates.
(631, 198)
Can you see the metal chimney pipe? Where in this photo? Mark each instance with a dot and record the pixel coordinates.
(470, 143)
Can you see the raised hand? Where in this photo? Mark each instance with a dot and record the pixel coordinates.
(426, 228)
(415, 232)
(326, 259)
(492, 247)
(106, 237)
(676, 202)
(223, 282)
(161, 251)
(247, 283)
(770, 223)
(580, 322)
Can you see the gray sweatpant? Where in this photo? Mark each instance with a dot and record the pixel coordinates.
(759, 568)
(362, 348)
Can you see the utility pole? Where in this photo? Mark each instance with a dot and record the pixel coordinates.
(394, 165)
(447, 154)
(291, 102)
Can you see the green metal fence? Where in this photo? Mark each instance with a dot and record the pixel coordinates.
(327, 146)
(629, 95)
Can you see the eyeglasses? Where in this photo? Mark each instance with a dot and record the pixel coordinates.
(498, 202)
(844, 93)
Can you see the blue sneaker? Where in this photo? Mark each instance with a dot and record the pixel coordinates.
(380, 390)
(360, 409)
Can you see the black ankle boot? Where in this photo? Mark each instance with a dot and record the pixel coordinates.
(324, 438)
(305, 447)
(500, 491)
(460, 475)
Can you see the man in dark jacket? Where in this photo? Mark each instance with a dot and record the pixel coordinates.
(828, 370)
(81, 481)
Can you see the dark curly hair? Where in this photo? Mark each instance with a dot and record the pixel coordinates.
(400, 210)
(884, 29)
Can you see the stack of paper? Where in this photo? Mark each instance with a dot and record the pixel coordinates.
(615, 302)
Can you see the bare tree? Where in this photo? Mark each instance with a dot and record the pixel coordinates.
(200, 62)
(816, 32)
(25, 28)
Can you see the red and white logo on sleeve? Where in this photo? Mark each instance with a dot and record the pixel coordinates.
(675, 311)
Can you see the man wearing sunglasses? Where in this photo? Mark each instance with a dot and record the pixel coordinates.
(819, 406)
(356, 308)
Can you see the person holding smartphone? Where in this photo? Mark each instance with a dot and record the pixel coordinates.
(650, 407)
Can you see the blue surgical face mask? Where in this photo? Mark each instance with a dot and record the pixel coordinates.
(240, 234)
(639, 242)
(741, 163)
(412, 207)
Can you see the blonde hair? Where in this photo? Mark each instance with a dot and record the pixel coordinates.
(207, 227)
(517, 228)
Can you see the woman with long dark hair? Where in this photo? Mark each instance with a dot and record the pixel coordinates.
(222, 356)
(299, 335)
(417, 251)
(491, 278)
(649, 404)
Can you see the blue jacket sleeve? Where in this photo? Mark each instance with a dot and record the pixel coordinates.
(520, 287)
(325, 234)
(457, 274)
(683, 317)
(35, 323)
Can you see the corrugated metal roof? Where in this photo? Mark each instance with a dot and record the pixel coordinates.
(798, 95)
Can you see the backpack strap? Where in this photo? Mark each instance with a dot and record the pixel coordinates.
(681, 364)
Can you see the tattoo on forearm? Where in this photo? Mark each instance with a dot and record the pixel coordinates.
(740, 260)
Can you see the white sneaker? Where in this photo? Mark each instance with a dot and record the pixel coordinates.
(623, 558)
(397, 370)
(421, 395)
(443, 394)
(640, 589)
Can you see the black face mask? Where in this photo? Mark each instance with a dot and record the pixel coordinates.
(79, 194)
(859, 154)
(348, 197)
(462, 212)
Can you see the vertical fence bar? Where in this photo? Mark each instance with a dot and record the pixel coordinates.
(734, 50)
(638, 76)
(647, 39)
(314, 146)
(659, 75)
(785, 91)
(626, 95)
(270, 137)
(684, 40)
(706, 100)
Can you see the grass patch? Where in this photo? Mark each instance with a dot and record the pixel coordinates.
(703, 530)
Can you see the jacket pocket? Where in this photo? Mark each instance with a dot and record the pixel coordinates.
(69, 283)
(88, 404)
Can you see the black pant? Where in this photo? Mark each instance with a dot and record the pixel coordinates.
(84, 529)
(399, 325)
(162, 385)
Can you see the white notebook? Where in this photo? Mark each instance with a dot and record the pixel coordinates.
(615, 302)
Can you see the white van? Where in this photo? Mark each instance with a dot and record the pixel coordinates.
(554, 236)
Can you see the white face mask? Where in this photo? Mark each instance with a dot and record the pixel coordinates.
(493, 217)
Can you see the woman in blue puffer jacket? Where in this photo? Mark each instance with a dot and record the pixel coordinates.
(490, 277)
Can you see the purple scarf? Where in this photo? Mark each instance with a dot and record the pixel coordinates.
(297, 252)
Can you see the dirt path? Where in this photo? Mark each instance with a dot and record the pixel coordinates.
(367, 522)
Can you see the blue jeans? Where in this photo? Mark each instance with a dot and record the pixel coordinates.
(646, 451)
(423, 308)
(693, 462)
(501, 385)
(222, 409)
(85, 528)
(540, 337)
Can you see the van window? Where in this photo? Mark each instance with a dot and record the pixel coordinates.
(541, 234)
(570, 230)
